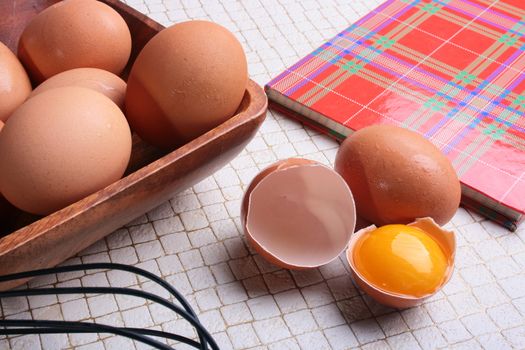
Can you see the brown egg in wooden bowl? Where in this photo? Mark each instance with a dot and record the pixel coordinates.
(152, 176)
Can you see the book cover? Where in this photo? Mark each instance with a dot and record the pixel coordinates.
(451, 70)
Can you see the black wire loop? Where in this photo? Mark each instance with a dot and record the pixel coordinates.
(12, 326)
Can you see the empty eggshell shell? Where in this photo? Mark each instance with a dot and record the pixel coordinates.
(15, 86)
(96, 79)
(279, 165)
(298, 214)
(445, 239)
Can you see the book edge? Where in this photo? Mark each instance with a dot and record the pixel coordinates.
(476, 200)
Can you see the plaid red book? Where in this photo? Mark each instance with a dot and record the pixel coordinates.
(451, 70)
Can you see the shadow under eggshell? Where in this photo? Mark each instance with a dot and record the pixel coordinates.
(299, 214)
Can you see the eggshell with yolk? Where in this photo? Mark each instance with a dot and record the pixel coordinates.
(73, 34)
(396, 176)
(15, 86)
(445, 239)
(298, 214)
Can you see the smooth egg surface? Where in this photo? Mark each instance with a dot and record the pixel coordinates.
(99, 80)
(73, 34)
(401, 259)
(397, 176)
(61, 146)
(15, 86)
(188, 79)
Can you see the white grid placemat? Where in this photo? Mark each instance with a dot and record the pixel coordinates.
(195, 242)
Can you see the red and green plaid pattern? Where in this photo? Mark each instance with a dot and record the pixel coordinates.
(451, 70)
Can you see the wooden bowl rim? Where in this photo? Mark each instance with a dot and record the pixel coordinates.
(253, 108)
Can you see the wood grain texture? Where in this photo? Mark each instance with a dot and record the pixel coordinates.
(152, 177)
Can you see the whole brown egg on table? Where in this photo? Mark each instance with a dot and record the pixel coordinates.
(396, 176)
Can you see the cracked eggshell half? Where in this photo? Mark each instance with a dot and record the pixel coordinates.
(298, 214)
(445, 239)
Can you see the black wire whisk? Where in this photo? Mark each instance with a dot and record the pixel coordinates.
(146, 336)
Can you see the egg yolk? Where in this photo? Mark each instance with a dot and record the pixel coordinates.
(400, 259)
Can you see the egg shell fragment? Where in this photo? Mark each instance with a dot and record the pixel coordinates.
(15, 86)
(61, 146)
(445, 239)
(74, 34)
(188, 79)
(99, 80)
(298, 214)
(396, 176)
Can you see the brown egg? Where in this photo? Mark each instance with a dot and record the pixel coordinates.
(298, 214)
(61, 146)
(1, 197)
(188, 79)
(396, 176)
(15, 86)
(74, 34)
(96, 79)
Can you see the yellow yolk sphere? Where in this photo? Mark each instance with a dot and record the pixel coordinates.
(400, 259)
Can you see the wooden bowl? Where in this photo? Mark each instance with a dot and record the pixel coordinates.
(152, 177)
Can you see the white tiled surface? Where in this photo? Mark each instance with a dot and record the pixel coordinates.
(194, 241)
